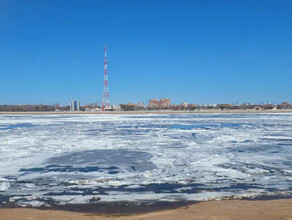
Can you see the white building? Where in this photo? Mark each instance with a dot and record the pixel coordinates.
(74, 106)
(116, 107)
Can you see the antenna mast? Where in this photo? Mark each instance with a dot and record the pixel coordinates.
(105, 100)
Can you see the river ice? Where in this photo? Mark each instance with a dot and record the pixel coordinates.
(59, 159)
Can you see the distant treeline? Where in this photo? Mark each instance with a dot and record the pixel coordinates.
(26, 108)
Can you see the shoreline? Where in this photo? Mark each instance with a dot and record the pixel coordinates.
(136, 207)
(220, 209)
(151, 112)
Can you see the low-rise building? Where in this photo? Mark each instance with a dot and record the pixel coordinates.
(285, 105)
(184, 105)
(116, 108)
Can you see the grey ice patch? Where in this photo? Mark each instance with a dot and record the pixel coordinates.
(123, 159)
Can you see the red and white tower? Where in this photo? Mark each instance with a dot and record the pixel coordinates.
(105, 100)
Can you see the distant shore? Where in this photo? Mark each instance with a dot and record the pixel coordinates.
(149, 112)
(224, 209)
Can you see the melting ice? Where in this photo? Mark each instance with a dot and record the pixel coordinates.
(61, 159)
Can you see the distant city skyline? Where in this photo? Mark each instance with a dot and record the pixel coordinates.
(199, 52)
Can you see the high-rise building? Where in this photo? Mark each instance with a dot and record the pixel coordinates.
(74, 106)
(154, 103)
(163, 103)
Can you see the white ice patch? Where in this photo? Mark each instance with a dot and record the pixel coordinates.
(4, 186)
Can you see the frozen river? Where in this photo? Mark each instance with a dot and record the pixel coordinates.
(74, 159)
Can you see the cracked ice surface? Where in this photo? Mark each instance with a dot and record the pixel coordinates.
(75, 158)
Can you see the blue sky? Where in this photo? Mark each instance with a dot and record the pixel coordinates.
(197, 51)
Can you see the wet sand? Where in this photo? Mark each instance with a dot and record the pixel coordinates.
(226, 209)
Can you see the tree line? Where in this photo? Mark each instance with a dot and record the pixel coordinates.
(26, 108)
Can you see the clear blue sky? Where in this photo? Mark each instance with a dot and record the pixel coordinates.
(198, 51)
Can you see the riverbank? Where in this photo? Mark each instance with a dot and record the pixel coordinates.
(151, 112)
(224, 209)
